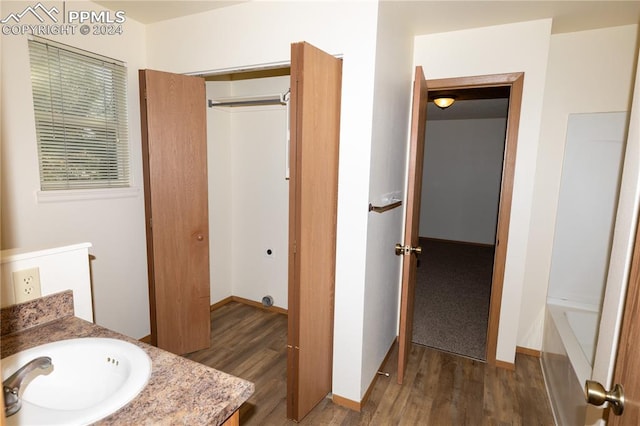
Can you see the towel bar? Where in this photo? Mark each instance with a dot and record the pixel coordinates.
(386, 207)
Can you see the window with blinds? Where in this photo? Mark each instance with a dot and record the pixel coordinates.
(81, 118)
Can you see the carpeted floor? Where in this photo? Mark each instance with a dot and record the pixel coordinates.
(453, 289)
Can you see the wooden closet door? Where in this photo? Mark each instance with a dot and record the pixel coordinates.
(316, 81)
(173, 113)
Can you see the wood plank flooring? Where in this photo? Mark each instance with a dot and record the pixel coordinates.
(440, 389)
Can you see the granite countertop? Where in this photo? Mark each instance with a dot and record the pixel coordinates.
(179, 390)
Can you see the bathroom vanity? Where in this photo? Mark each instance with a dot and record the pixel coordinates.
(179, 391)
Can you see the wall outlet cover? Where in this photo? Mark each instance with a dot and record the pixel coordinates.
(26, 285)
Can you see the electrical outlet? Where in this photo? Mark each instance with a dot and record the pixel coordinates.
(26, 284)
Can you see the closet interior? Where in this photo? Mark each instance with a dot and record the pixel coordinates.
(248, 142)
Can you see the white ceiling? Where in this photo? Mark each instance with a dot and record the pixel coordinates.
(150, 11)
(426, 17)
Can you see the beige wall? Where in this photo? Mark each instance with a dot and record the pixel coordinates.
(59, 269)
(589, 71)
(389, 149)
(201, 42)
(114, 226)
(248, 192)
(494, 50)
(375, 109)
(580, 77)
(219, 186)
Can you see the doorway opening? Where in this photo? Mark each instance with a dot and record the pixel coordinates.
(276, 194)
(248, 187)
(462, 173)
(514, 81)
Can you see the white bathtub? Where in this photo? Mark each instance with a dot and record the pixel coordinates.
(567, 354)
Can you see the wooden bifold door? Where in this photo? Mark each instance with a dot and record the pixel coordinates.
(173, 111)
(174, 152)
(316, 83)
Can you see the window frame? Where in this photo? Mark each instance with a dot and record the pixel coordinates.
(109, 82)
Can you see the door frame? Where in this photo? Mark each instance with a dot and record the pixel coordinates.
(516, 82)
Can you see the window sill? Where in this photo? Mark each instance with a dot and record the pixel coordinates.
(86, 194)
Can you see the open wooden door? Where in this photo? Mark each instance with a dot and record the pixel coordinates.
(316, 81)
(412, 218)
(616, 358)
(173, 113)
(627, 370)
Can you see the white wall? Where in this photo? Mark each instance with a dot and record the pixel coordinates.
(262, 33)
(115, 226)
(392, 100)
(581, 78)
(461, 179)
(494, 50)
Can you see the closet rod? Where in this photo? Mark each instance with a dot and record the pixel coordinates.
(252, 101)
(272, 101)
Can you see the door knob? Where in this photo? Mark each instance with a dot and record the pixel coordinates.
(400, 249)
(597, 395)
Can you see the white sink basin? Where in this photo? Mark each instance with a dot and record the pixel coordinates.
(91, 379)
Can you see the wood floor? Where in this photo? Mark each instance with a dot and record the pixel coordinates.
(439, 389)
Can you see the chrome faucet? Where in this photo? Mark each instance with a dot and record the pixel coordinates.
(11, 386)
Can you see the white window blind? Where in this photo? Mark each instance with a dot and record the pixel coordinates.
(81, 119)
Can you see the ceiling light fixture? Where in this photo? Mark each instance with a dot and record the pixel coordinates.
(444, 102)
